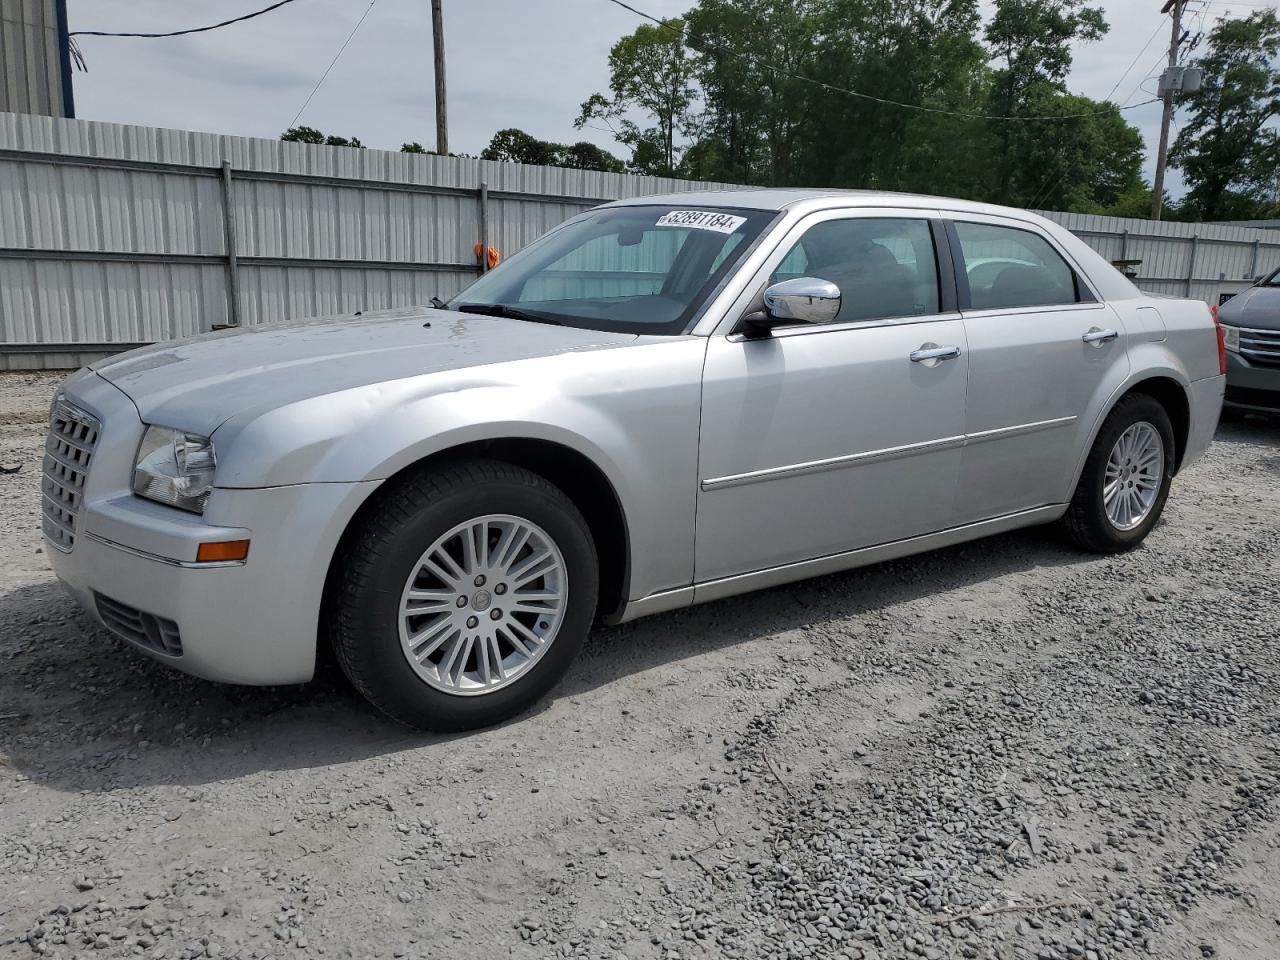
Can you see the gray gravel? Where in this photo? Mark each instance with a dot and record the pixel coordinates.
(1002, 750)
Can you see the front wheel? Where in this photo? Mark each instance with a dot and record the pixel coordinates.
(1125, 482)
(465, 596)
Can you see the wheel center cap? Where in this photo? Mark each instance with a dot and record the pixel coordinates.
(481, 600)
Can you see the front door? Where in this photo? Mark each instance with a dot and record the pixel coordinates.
(822, 439)
(1043, 354)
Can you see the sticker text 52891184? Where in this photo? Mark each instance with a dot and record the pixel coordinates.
(702, 220)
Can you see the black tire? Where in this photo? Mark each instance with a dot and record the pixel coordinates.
(375, 565)
(1086, 521)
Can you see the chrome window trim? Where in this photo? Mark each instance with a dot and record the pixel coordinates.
(1038, 308)
(877, 456)
(804, 329)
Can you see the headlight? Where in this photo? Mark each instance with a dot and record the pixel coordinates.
(1231, 338)
(174, 468)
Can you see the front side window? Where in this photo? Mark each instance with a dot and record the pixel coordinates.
(643, 269)
(884, 267)
(1008, 267)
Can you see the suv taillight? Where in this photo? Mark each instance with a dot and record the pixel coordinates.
(1222, 342)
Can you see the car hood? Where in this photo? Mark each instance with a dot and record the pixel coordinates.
(199, 384)
(1257, 307)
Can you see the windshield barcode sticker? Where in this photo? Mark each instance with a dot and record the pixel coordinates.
(702, 220)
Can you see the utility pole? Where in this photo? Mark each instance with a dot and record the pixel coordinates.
(442, 105)
(1162, 155)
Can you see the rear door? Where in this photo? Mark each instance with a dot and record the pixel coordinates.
(1043, 353)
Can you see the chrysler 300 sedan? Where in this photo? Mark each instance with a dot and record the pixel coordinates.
(661, 402)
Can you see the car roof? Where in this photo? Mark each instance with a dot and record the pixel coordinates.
(783, 198)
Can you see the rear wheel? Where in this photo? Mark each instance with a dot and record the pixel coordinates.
(1126, 478)
(465, 596)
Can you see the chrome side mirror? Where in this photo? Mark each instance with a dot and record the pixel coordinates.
(805, 298)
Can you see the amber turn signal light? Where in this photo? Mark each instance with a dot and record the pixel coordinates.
(227, 551)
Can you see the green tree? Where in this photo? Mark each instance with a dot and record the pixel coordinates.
(414, 147)
(918, 52)
(587, 156)
(1229, 149)
(754, 61)
(651, 74)
(1031, 40)
(1084, 162)
(515, 146)
(894, 96)
(312, 135)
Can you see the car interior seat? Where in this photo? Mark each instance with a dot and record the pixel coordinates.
(1019, 286)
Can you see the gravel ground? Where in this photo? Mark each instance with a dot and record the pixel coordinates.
(1001, 750)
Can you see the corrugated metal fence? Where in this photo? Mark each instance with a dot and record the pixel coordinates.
(1205, 261)
(116, 235)
(113, 235)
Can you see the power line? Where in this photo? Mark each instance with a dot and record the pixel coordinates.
(325, 75)
(881, 100)
(180, 33)
(1146, 46)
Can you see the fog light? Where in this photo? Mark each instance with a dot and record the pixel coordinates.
(225, 552)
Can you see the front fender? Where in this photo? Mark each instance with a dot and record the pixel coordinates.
(633, 412)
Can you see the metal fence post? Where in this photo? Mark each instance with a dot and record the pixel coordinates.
(1191, 268)
(1253, 266)
(1124, 245)
(229, 223)
(484, 227)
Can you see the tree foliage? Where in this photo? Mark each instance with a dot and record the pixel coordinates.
(1229, 149)
(515, 146)
(921, 96)
(759, 91)
(651, 74)
(312, 135)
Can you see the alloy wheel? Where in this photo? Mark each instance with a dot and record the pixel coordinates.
(483, 604)
(1134, 472)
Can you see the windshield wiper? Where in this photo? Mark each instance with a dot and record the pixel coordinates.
(439, 304)
(509, 313)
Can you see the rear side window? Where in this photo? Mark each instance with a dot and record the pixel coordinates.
(884, 267)
(1007, 267)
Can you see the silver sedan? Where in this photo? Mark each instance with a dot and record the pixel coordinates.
(661, 402)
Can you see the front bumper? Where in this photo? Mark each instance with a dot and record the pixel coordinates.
(254, 622)
(133, 563)
(1252, 386)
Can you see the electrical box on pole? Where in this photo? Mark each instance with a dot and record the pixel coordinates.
(1177, 80)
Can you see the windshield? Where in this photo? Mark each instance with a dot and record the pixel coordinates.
(643, 269)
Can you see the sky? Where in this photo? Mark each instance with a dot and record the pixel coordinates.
(511, 63)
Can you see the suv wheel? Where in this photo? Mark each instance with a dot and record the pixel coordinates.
(1126, 478)
(465, 596)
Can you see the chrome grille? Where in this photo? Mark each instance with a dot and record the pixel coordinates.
(137, 626)
(1260, 346)
(68, 454)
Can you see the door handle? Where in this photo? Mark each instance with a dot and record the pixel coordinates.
(931, 353)
(1099, 336)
